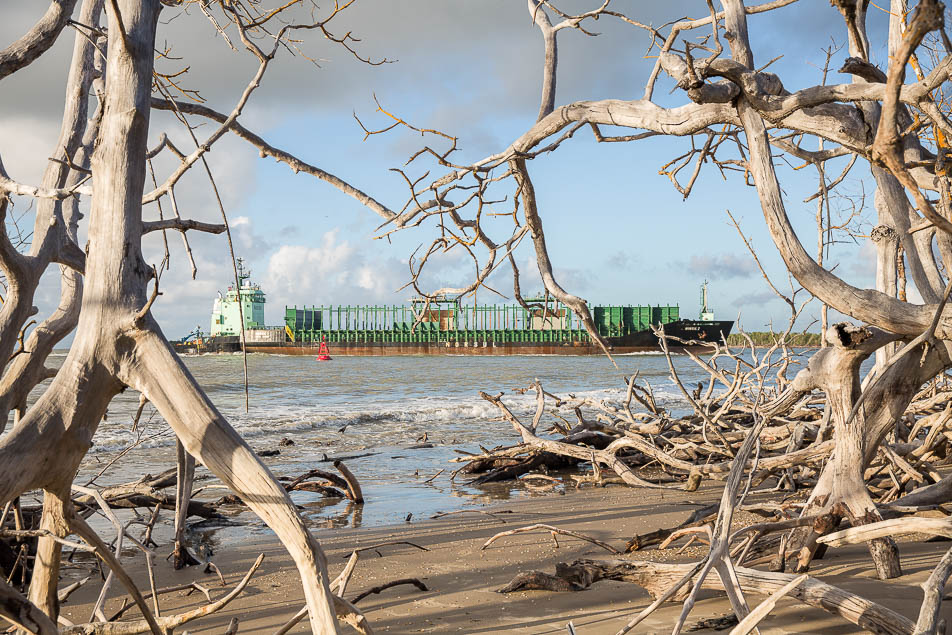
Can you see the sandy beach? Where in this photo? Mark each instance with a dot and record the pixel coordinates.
(462, 580)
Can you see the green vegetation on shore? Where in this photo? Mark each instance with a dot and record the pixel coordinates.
(764, 338)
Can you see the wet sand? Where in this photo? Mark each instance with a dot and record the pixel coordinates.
(462, 580)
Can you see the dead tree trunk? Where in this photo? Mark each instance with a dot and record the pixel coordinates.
(118, 344)
(835, 370)
(51, 240)
(841, 486)
(184, 476)
(46, 567)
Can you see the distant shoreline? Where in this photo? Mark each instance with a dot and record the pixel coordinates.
(765, 338)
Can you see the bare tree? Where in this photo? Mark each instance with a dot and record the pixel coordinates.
(102, 154)
(895, 130)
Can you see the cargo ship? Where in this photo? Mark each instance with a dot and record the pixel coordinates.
(443, 326)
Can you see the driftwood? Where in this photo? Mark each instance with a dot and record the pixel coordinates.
(345, 610)
(168, 622)
(101, 156)
(608, 456)
(128, 603)
(353, 487)
(790, 448)
(697, 518)
(339, 586)
(553, 531)
(761, 611)
(892, 527)
(491, 514)
(382, 587)
(148, 492)
(610, 437)
(20, 612)
(232, 627)
(883, 120)
(185, 474)
(934, 588)
(657, 578)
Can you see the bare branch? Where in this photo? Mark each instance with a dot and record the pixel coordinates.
(182, 225)
(267, 150)
(38, 39)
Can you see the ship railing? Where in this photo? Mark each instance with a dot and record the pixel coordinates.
(423, 336)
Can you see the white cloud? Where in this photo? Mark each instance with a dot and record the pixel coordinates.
(25, 144)
(246, 238)
(334, 271)
(722, 266)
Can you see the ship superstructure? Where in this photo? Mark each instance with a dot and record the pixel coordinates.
(247, 301)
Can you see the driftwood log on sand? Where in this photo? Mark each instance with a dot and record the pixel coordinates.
(657, 578)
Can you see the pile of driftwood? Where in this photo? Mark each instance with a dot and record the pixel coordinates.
(650, 448)
(21, 528)
(759, 430)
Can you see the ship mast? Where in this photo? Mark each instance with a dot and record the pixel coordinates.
(707, 315)
(242, 274)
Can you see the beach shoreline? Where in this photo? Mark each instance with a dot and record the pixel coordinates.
(462, 580)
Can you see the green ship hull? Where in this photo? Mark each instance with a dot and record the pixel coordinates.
(368, 343)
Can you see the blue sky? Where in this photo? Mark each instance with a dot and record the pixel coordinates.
(618, 232)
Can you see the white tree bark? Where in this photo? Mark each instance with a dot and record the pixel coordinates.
(118, 343)
(54, 232)
(886, 240)
(184, 477)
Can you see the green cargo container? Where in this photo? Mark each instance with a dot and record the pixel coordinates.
(448, 321)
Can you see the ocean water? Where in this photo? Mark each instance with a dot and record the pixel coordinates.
(372, 412)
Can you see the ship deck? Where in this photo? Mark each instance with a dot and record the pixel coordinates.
(363, 343)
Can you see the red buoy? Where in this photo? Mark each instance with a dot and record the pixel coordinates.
(323, 355)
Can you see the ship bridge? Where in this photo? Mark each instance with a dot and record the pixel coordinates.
(246, 301)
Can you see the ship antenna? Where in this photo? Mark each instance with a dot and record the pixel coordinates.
(242, 273)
